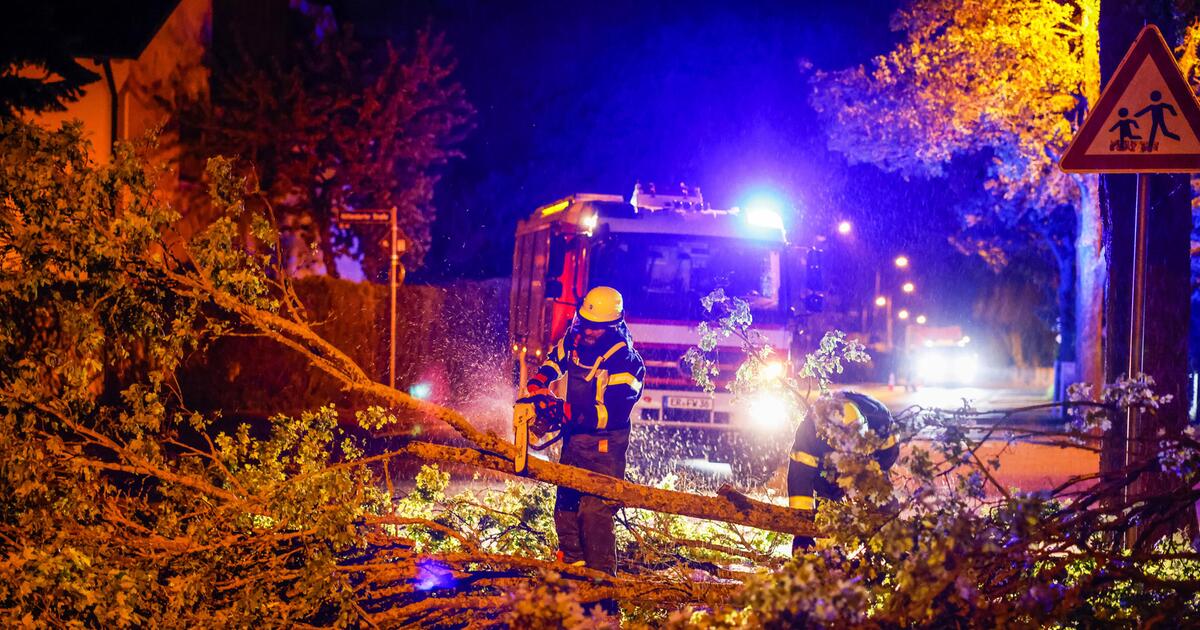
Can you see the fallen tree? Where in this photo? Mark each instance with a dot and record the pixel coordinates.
(113, 300)
(121, 507)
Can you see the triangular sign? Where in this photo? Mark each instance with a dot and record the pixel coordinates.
(1146, 121)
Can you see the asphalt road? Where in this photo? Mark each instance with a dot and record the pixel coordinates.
(1024, 464)
(951, 398)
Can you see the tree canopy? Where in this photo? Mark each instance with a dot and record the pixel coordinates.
(1011, 80)
(1008, 83)
(331, 123)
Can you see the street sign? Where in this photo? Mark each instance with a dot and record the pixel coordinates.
(1146, 121)
(396, 246)
(364, 216)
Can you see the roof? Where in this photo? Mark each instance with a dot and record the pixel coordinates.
(119, 29)
(661, 214)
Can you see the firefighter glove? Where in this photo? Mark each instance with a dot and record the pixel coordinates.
(550, 413)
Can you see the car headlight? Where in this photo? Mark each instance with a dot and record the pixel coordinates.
(932, 367)
(966, 367)
(769, 411)
(771, 371)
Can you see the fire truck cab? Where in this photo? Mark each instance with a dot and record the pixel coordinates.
(664, 252)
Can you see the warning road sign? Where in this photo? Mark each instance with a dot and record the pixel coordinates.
(1146, 121)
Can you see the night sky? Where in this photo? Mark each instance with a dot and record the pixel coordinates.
(592, 97)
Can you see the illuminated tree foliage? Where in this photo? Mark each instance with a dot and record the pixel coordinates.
(120, 507)
(1009, 81)
(330, 123)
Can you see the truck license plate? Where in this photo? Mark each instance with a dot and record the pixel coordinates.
(687, 402)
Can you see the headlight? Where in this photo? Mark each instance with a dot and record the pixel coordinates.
(771, 371)
(769, 411)
(932, 367)
(966, 367)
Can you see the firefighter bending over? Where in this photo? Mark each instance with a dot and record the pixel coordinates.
(604, 379)
(805, 480)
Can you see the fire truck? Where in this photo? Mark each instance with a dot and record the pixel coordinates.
(664, 252)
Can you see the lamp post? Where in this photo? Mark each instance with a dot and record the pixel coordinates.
(900, 262)
(886, 303)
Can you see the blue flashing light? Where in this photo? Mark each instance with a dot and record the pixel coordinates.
(765, 212)
(432, 574)
(420, 391)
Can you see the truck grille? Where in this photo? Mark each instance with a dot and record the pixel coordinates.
(665, 369)
(700, 416)
(687, 415)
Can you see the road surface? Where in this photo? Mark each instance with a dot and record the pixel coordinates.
(950, 398)
(1023, 464)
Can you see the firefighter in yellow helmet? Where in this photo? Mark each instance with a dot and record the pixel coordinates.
(806, 480)
(604, 379)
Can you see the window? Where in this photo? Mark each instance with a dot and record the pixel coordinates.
(665, 276)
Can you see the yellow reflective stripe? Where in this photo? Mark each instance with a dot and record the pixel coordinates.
(804, 458)
(888, 443)
(602, 381)
(850, 413)
(802, 503)
(625, 378)
(602, 359)
(554, 364)
(561, 353)
(612, 351)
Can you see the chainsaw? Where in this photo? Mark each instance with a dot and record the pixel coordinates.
(538, 416)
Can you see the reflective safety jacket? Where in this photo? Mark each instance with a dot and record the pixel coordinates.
(805, 480)
(604, 381)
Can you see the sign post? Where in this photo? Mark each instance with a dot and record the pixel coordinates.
(1146, 121)
(395, 271)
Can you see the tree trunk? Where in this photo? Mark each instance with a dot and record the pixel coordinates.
(1089, 278)
(493, 451)
(1090, 269)
(1066, 370)
(1167, 270)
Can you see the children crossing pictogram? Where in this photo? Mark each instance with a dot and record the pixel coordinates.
(1156, 111)
(1161, 135)
(1126, 126)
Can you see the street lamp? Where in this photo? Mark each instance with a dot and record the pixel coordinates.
(921, 319)
(844, 228)
(882, 301)
(901, 262)
(903, 314)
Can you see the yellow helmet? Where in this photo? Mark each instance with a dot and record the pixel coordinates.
(602, 305)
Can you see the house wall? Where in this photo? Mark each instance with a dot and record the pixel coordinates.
(168, 68)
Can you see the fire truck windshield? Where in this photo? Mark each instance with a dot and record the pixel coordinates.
(663, 276)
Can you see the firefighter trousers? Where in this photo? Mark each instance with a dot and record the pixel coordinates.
(584, 522)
